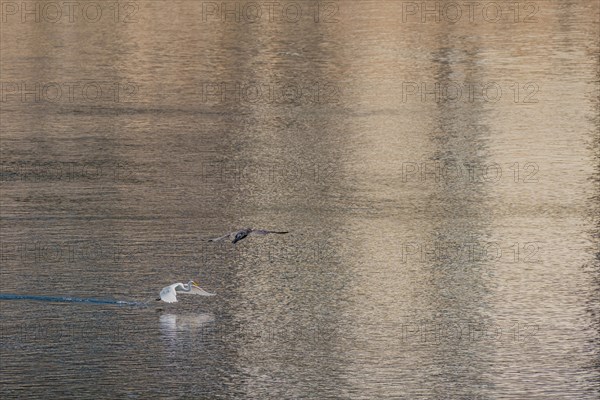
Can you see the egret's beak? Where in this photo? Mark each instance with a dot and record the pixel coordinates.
(195, 284)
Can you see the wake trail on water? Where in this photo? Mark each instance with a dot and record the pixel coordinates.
(66, 299)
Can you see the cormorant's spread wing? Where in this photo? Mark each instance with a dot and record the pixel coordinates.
(265, 232)
(220, 238)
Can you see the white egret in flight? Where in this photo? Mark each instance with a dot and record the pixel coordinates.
(243, 233)
(169, 294)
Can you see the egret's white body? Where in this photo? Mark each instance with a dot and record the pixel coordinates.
(243, 233)
(169, 294)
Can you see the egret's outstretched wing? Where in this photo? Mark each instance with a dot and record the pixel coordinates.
(168, 294)
(226, 236)
(200, 291)
(265, 232)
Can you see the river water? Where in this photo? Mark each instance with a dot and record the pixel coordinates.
(436, 164)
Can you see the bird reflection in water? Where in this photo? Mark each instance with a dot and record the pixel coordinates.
(172, 325)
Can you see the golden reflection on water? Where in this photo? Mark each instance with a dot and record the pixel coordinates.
(440, 182)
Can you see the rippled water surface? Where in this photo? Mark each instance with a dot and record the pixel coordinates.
(438, 172)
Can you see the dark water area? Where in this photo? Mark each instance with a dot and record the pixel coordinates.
(438, 171)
